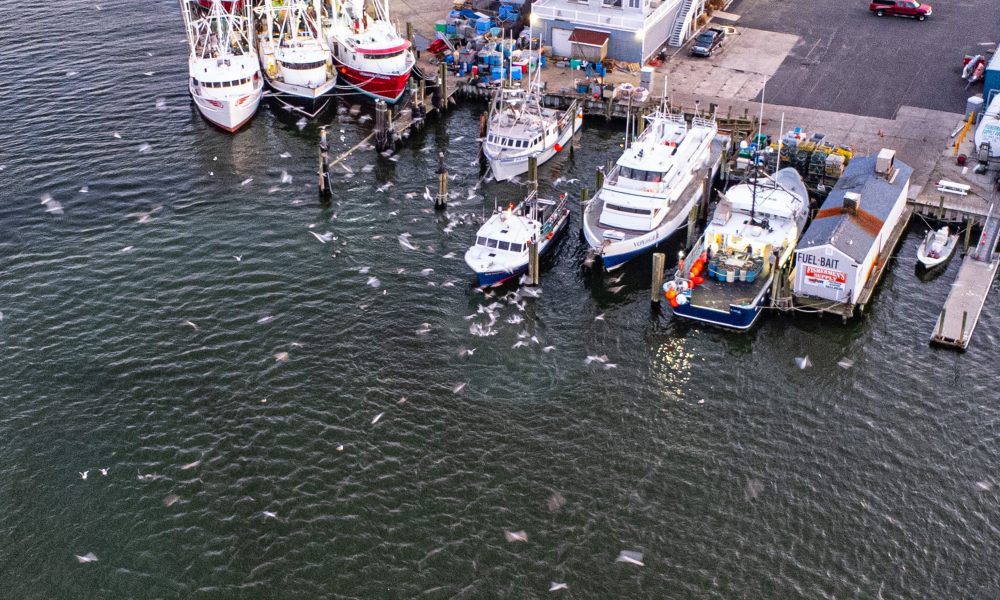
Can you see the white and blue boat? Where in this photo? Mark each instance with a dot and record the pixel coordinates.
(654, 185)
(726, 279)
(502, 243)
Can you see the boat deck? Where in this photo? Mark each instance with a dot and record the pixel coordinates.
(687, 197)
(719, 295)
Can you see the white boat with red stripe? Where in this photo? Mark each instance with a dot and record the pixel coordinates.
(370, 55)
(294, 54)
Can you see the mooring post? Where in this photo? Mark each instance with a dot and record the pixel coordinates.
(324, 190)
(584, 196)
(533, 171)
(409, 31)
(443, 82)
(961, 332)
(442, 196)
(381, 125)
(706, 192)
(659, 260)
(600, 179)
(968, 234)
(941, 206)
(640, 121)
(692, 222)
(533, 269)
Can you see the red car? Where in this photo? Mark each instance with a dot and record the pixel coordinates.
(902, 8)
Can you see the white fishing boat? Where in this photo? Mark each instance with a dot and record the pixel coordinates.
(649, 193)
(502, 244)
(294, 54)
(936, 247)
(370, 55)
(520, 127)
(225, 80)
(726, 279)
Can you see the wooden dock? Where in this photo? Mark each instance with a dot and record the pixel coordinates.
(961, 311)
(965, 302)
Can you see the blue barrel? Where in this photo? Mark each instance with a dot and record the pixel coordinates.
(483, 25)
(496, 73)
(515, 74)
(542, 61)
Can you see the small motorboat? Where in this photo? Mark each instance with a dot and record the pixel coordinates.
(936, 247)
(500, 251)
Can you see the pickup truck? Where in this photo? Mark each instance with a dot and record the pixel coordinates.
(901, 8)
(708, 42)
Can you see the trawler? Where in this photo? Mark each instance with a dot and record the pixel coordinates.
(224, 75)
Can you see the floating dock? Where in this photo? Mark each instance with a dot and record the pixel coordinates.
(965, 302)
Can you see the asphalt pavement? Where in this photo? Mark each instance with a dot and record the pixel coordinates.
(848, 60)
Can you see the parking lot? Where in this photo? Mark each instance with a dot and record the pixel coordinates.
(848, 60)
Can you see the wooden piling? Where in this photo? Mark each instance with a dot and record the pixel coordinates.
(692, 223)
(443, 83)
(659, 261)
(441, 201)
(940, 330)
(961, 331)
(584, 196)
(968, 234)
(533, 171)
(600, 179)
(941, 207)
(324, 190)
(533, 263)
(409, 31)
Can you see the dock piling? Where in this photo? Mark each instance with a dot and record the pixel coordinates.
(659, 260)
(533, 263)
(533, 171)
(940, 329)
(600, 179)
(441, 201)
(961, 331)
(968, 234)
(383, 137)
(443, 83)
(692, 223)
(324, 190)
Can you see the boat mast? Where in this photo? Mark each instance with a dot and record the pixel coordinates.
(756, 158)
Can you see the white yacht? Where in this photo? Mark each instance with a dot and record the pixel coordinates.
(648, 194)
(294, 54)
(726, 279)
(370, 55)
(225, 80)
(520, 127)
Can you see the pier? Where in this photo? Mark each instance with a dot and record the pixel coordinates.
(964, 305)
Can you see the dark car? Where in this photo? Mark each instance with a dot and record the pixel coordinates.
(707, 42)
(902, 8)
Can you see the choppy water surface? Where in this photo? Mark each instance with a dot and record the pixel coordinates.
(133, 339)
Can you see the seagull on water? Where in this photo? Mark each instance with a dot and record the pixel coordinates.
(515, 536)
(555, 586)
(803, 362)
(104, 471)
(631, 557)
(191, 325)
(83, 474)
(238, 258)
(377, 417)
(86, 558)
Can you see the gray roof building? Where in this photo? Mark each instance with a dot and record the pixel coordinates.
(854, 229)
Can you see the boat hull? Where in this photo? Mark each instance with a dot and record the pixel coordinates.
(614, 254)
(228, 114)
(377, 86)
(740, 318)
(505, 169)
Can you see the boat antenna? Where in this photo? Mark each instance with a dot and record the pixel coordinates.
(756, 157)
(781, 133)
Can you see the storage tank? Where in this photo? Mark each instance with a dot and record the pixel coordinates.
(988, 131)
(974, 106)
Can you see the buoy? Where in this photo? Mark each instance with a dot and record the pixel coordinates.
(671, 294)
(698, 280)
(674, 303)
(558, 147)
(681, 299)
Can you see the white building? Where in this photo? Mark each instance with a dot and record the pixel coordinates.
(836, 255)
(626, 30)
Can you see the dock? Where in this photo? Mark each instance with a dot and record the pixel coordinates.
(965, 302)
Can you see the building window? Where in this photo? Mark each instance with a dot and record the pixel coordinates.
(614, 3)
(633, 3)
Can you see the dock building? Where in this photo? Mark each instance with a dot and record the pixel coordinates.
(841, 255)
(625, 30)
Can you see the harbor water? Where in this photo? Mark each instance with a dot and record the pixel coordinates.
(242, 380)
